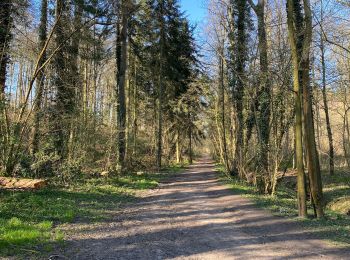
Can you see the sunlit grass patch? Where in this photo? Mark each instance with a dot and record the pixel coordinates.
(14, 232)
(175, 168)
(335, 226)
(31, 219)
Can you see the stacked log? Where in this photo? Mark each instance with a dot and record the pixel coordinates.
(14, 183)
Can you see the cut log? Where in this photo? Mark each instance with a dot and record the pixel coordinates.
(14, 183)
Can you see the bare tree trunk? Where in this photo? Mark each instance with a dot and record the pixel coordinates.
(41, 78)
(220, 145)
(298, 111)
(190, 151)
(160, 88)
(326, 111)
(128, 108)
(314, 170)
(178, 151)
(300, 34)
(135, 95)
(346, 137)
(222, 103)
(122, 56)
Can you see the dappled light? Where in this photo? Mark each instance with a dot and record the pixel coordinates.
(196, 216)
(174, 129)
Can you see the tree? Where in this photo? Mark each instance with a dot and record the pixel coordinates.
(264, 97)
(300, 34)
(5, 37)
(65, 94)
(324, 97)
(122, 63)
(161, 21)
(295, 46)
(241, 7)
(41, 77)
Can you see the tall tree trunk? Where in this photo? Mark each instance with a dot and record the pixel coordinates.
(160, 87)
(300, 30)
(314, 170)
(190, 148)
(40, 79)
(128, 110)
(122, 56)
(63, 102)
(238, 90)
(135, 107)
(75, 76)
(298, 110)
(346, 134)
(219, 132)
(5, 37)
(222, 103)
(264, 97)
(325, 104)
(178, 149)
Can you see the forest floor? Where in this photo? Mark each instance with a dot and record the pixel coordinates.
(32, 221)
(193, 215)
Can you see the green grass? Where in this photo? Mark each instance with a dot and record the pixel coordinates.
(334, 227)
(30, 220)
(337, 191)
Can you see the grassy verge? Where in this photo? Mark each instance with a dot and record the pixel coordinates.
(335, 227)
(29, 220)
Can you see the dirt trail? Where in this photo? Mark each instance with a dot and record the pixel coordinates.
(195, 216)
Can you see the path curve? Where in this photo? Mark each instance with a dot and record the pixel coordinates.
(195, 216)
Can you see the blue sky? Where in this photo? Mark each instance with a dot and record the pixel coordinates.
(195, 10)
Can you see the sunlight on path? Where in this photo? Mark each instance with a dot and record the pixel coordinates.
(194, 216)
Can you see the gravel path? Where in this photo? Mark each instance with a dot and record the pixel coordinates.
(195, 216)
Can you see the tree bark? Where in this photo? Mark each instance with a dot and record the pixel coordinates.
(5, 37)
(65, 101)
(325, 104)
(160, 87)
(178, 149)
(222, 103)
(122, 56)
(314, 170)
(190, 155)
(298, 111)
(238, 91)
(300, 34)
(41, 77)
(135, 108)
(264, 96)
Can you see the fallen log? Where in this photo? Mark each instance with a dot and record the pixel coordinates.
(15, 183)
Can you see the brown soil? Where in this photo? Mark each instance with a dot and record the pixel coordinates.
(195, 216)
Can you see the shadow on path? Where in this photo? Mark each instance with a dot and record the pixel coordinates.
(195, 216)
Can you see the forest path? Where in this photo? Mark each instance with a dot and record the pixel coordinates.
(195, 216)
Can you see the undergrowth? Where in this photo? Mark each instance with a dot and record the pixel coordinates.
(30, 220)
(334, 227)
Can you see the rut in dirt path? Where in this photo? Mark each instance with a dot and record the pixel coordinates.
(195, 216)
